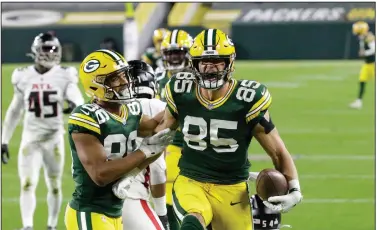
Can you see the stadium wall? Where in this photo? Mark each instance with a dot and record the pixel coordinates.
(331, 40)
(77, 41)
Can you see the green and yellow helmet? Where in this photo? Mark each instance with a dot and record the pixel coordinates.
(360, 28)
(95, 71)
(158, 36)
(174, 50)
(212, 45)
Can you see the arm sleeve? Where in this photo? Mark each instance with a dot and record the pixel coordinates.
(72, 92)
(169, 96)
(12, 116)
(158, 168)
(260, 103)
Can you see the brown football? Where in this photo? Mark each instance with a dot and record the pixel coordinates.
(271, 182)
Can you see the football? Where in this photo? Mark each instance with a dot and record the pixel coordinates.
(271, 182)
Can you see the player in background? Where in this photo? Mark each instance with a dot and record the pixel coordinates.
(102, 138)
(367, 52)
(137, 212)
(219, 116)
(40, 91)
(174, 48)
(152, 55)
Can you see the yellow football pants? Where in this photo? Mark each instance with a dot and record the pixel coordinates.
(173, 154)
(75, 220)
(226, 207)
(367, 72)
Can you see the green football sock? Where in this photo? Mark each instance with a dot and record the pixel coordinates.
(191, 223)
(361, 90)
(173, 222)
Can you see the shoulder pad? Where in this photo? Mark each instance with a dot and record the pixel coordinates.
(184, 76)
(87, 118)
(134, 108)
(256, 95)
(18, 73)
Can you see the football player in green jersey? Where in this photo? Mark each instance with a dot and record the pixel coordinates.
(152, 55)
(102, 137)
(219, 115)
(367, 51)
(175, 47)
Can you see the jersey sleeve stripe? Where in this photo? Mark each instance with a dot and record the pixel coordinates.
(256, 112)
(83, 116)
(257, 105)
(85, 121)
(85, 125)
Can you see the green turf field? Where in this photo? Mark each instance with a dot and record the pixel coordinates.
(332, 144)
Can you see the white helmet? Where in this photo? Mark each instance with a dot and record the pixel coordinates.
(46, 50)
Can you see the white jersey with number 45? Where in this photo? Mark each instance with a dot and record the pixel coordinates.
(42, 97)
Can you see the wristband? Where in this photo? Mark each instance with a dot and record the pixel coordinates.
(160, 205)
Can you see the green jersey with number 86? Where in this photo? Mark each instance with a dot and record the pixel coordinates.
(217, 134)
(118, 135)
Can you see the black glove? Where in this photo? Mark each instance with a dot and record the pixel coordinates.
(70, 108)
(4, 154)
(165, 222)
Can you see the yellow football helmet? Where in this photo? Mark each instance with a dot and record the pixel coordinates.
(174, 49)
(96, 70)
(158, 36)
(360, 28)
(214, 46)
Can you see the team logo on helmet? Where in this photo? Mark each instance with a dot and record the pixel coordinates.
(229, 40)
(91, 66)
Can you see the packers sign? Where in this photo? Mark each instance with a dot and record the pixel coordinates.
(294, 14)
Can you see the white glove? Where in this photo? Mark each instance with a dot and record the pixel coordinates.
(286, 202)
(156, 143)
(163, 137)
(253, 176)
(121, 187)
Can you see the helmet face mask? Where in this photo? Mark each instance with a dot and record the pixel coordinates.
(175, 58)
(119, 86)
(212, 72)
(46, 50)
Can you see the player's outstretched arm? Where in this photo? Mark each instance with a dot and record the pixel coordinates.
(12, 117)
(269, 138)
(93, 157)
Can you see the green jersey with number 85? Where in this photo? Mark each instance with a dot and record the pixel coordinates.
(118, 135)
(217, 134)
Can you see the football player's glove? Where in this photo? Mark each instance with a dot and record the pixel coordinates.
(4, 153)
(156, 143)
(165, 222)
(286, 202)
